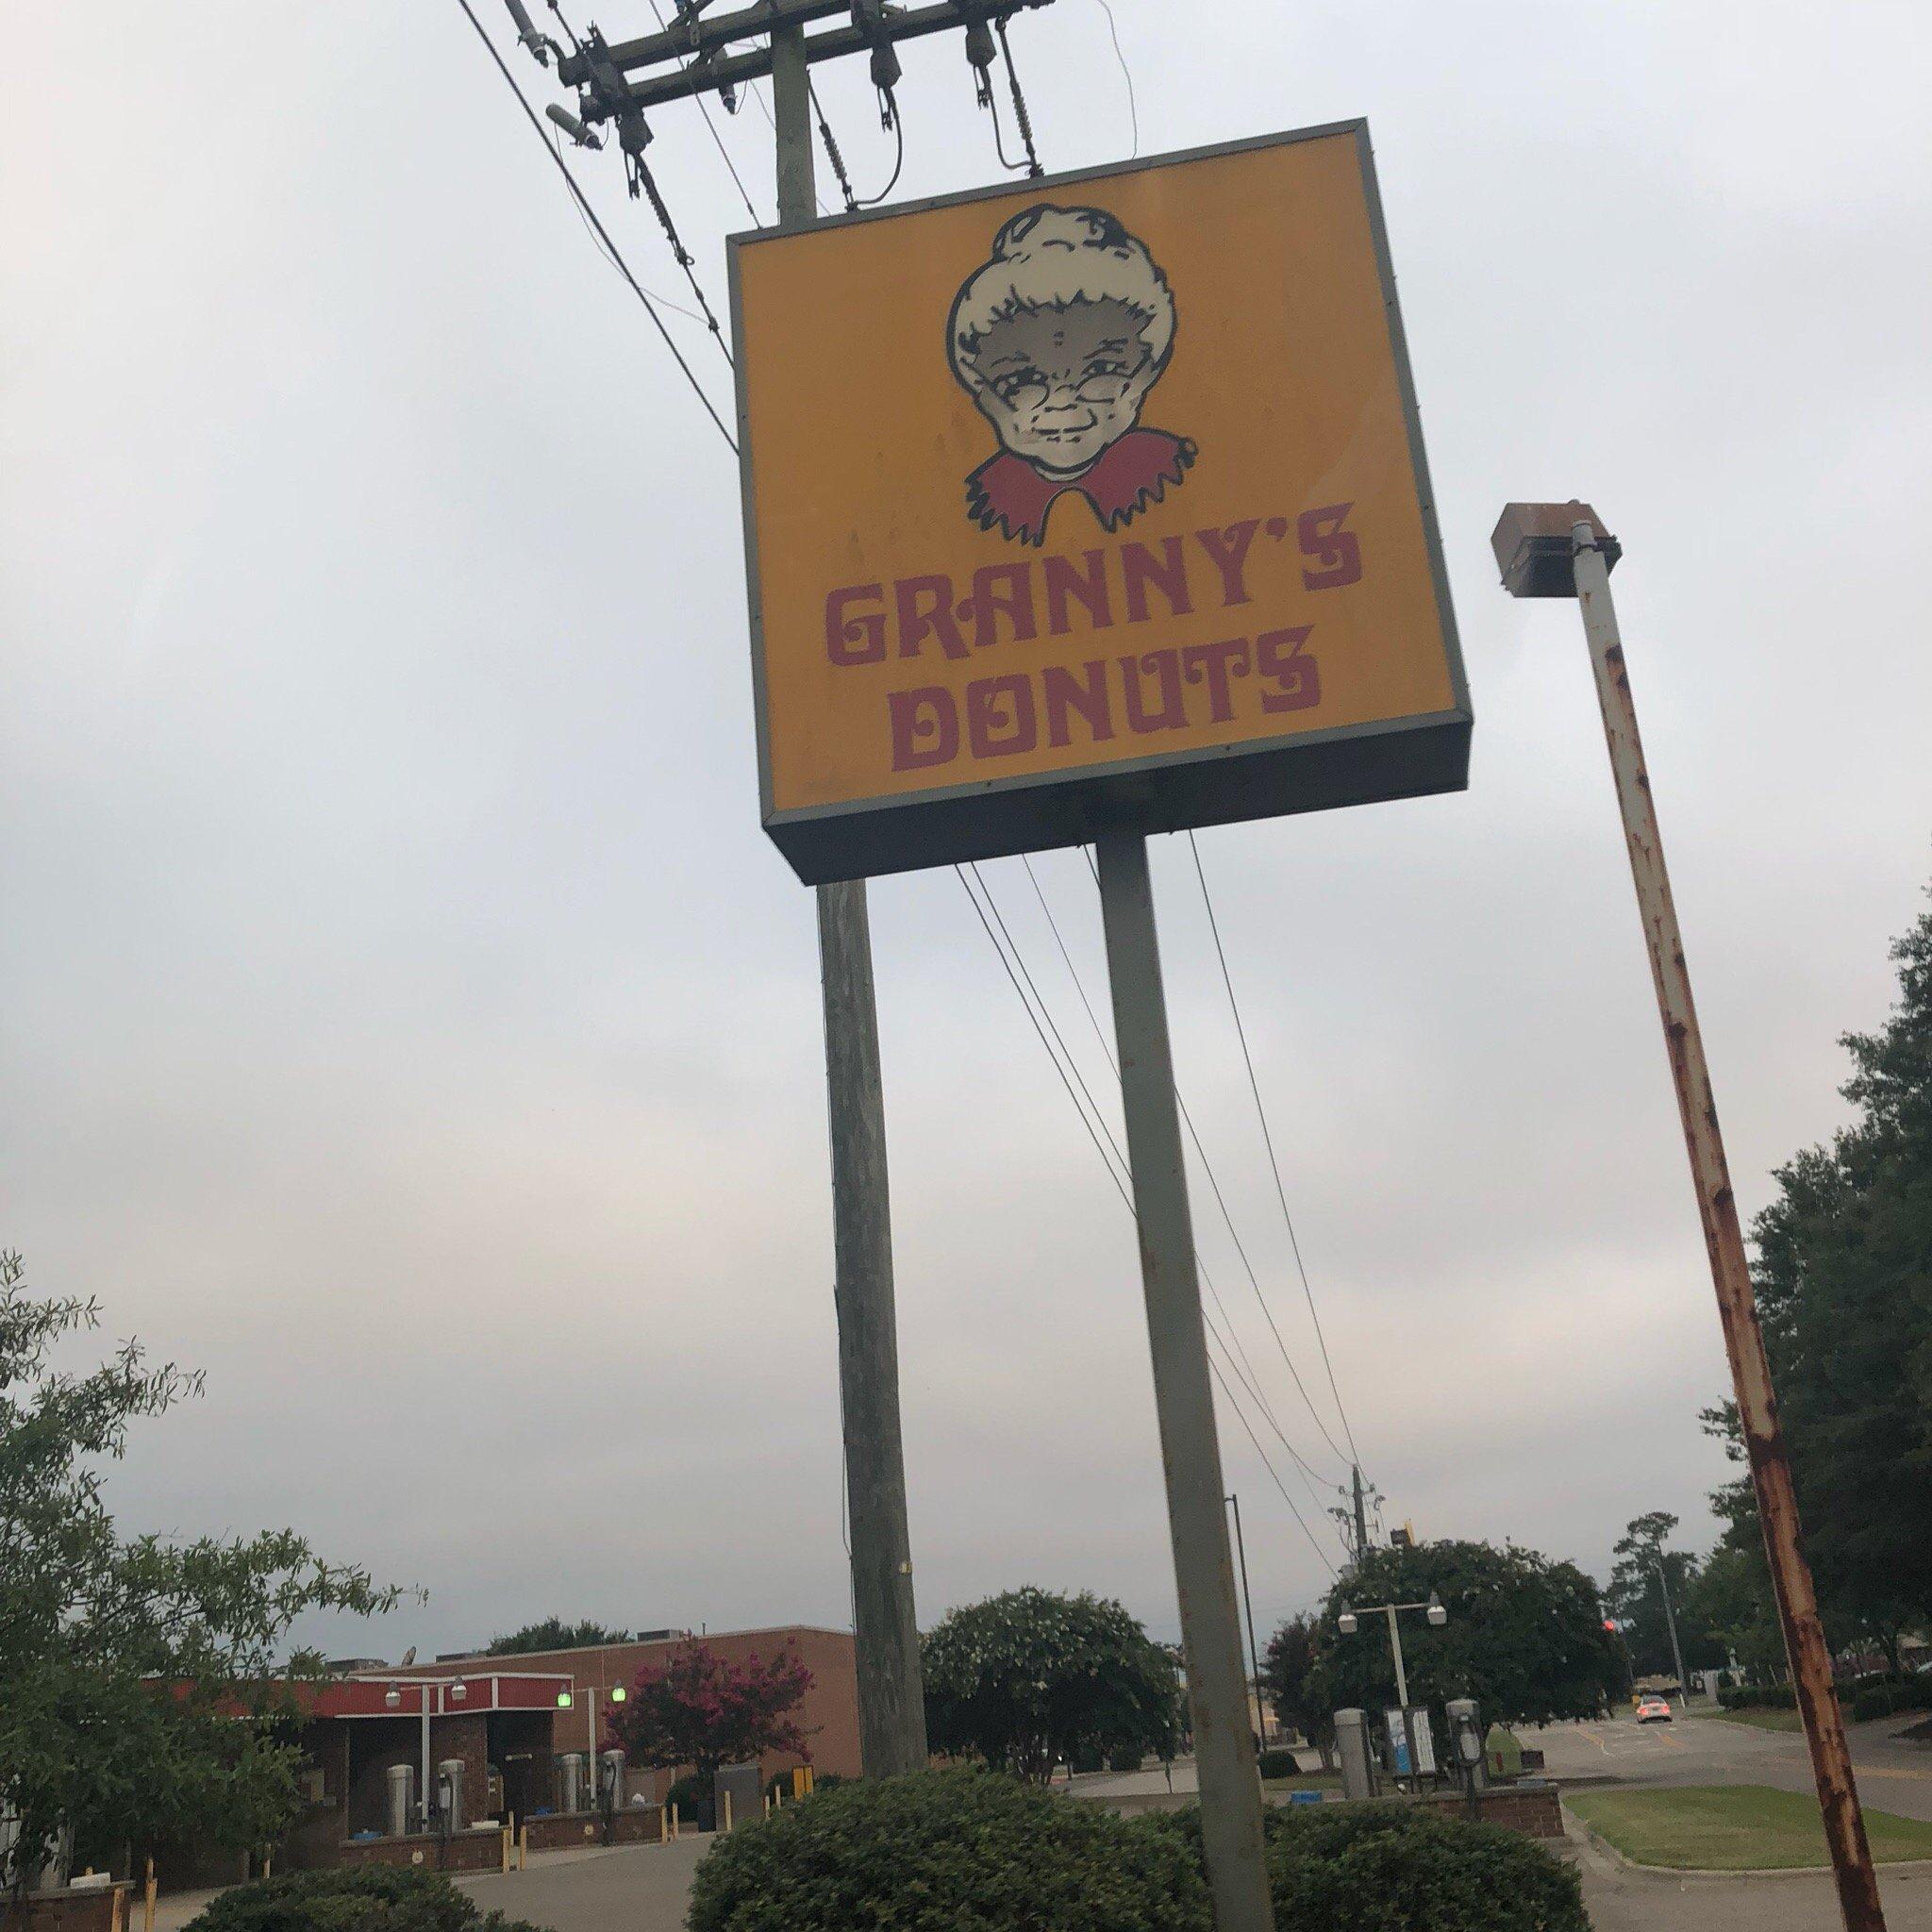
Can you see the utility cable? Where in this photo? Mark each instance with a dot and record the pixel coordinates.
(1267, 1314)
(603, 234)
(1120, 1166)
(1114, 1159)
(1020, 114)
(891, 117)
(725, 153)
(1273, 1159)
(1193, 1134)
(642, 178)
(1127, 74)
(831, 145)
(663, 301)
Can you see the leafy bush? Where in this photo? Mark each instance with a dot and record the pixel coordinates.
(1124, 1757)
(1757, 1697)
(696, 1798)
(1280, 1764)
(1885, 1696)
(1403, 1868)
(1089, 1757)
(952, 1851)
(358, 1898)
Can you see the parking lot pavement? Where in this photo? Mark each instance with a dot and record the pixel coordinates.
(1892, 1776)
(613, 1889)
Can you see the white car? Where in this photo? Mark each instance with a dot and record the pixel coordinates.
(1654, 1710)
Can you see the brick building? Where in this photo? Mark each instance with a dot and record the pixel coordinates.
(829, 1715)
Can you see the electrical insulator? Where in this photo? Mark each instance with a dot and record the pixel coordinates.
(980, 57)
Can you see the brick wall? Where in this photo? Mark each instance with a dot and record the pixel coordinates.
(562, 1831)
(104, 1910)
(829, 1713)
(1535, 1811)
(465, 1850)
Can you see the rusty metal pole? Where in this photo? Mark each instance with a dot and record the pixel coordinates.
(1724, 1237)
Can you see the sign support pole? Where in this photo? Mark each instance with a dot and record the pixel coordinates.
(1184, 1397)
(891, 1701)
(1724, 1237)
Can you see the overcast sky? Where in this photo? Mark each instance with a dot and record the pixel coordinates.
(406, 1019)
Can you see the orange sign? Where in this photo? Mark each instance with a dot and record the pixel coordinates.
(1094, 504)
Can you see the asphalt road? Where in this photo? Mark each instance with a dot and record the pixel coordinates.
(1893, 1776)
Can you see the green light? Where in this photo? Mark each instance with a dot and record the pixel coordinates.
(618, 1694)
(563, 1700)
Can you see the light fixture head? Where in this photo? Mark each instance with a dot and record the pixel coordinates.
(563, 1700)
(458, 1691)
(392, 1697)
(1345, 1622)
(618, 1694)
(1439, 1614)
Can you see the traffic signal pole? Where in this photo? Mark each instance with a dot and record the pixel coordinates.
(1563, 550)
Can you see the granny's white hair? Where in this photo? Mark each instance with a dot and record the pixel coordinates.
(1052, 258)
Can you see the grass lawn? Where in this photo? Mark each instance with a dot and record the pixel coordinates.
(1732, 1828)
(1757, 1720)
(1309, 1781)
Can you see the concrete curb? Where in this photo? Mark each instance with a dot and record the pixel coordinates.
(1905, 1868)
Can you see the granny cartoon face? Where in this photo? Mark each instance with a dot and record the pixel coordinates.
(1058, 339)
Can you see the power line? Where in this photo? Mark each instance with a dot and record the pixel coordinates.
(663, 301)
(758, 219)
(1201, 1151)
(603, 233)
(1121, 1187)
(1250, 1379)
(1127, 74)
(1268, 1141)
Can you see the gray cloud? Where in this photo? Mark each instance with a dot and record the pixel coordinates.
(406, 1019)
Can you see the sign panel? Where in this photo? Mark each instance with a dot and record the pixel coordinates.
(1095, 505)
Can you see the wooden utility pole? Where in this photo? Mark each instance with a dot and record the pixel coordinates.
(892, 1698)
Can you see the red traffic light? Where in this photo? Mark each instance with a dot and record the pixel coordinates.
(1610, 1625)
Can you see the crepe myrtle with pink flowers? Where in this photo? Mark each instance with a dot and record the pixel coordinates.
(1058, 338)
(699, 1710)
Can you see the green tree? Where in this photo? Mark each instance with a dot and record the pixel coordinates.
(554, 1633)
(1288, 1670)
(1525, 1634)
(1635, 1596)
(144, 1683)
(1027, 1678)
(1844, 1287)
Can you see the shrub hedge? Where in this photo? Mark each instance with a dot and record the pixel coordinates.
(1403, 1867)
(1280, 1764)
(360, 1898)
(1757, 1697)
(951, 1851)
(1886, 1696)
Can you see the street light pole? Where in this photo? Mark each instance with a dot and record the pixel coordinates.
(1395, 1649)
(1563, 550)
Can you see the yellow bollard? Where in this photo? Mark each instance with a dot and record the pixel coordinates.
(724, 1814)
(268, 1864)
(673, 1821)
(523, 1847)
(506, 1848)
(147, 1914)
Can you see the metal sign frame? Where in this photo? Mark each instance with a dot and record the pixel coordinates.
(1304, 771)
